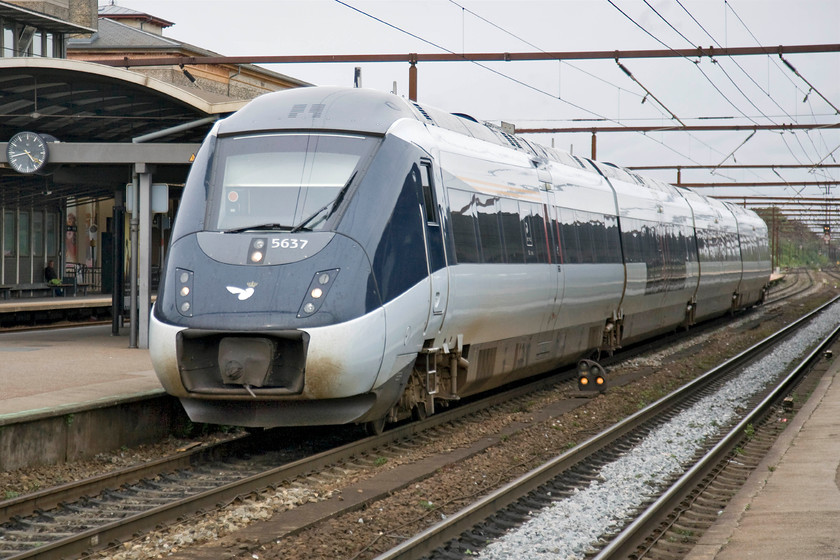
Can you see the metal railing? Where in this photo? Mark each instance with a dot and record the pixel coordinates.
(80, 274)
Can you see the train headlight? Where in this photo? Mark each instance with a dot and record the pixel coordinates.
(256, 250)
(183, 299)
(317, 292)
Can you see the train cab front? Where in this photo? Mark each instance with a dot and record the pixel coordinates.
(267, 315)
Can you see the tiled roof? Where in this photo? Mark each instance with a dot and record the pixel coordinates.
(113, 34)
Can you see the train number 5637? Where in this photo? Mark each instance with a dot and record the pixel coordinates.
(289, 243)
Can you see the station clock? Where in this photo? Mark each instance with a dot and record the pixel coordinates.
(27, 152)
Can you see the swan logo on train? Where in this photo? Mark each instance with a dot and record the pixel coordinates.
(408, 257)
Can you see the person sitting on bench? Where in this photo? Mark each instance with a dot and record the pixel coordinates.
(51, 278)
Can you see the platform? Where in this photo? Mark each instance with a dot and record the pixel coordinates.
(74, 392)
(17, 305)
(790, 506)
(51, 370)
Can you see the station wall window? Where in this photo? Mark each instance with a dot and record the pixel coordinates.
(38, 234)
(7, 41)
(9, 230)
(24, 246)
(38, 44)
(35, 42)
(52, 234)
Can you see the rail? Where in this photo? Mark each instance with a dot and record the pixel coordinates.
(452, 527)
(92, 538)
(631, 537)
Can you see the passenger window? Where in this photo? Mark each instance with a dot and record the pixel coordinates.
(489, 230)
(429, 200)
(511, 231)
(463, 217)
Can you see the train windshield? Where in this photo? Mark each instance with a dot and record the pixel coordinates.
(287, 181)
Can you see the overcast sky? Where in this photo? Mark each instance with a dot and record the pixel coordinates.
(742, 90)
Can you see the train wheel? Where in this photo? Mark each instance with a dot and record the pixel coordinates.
(419, 411)
(375, 427)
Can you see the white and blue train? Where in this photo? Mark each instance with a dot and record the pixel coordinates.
(345, 255)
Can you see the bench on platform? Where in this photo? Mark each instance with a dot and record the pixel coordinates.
(34, 290)
(68, 286)
(69, 282)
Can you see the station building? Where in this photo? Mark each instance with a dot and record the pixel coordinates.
(103, 128)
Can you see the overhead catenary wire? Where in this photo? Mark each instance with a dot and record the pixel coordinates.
(810, 85)
(714, 61)
(735, 62)
(501, 74)
(619, 88)
(532, 45)
(731, 9)
(766, 93)
(708, 79)
(648, 92)
(435, 45)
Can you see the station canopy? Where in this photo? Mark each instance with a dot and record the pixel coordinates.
(81, 102)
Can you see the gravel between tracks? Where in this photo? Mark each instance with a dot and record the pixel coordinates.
(365, 533)
(569, 526)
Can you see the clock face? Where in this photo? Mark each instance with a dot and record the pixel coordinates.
(27, 152)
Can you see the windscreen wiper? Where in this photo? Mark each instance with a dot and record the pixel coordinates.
(302, 225)
(331, 205)
(268, 226)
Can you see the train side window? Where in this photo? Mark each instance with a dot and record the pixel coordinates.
(613, 239)
(512, 231)
(462, 212)
(429, 199)
(533, 229)
(554, 234)
(569, 235)
(489, 230)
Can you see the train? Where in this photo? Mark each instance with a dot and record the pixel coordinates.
(344, 255)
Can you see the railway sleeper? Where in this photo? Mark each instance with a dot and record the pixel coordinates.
(473, 540)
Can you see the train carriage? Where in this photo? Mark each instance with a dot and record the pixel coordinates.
(344, 255)
(755, 256)
(716, 232)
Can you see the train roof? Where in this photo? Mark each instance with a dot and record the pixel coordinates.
(374, 112)
(366, 111)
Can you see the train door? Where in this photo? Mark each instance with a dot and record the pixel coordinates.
(435, 253)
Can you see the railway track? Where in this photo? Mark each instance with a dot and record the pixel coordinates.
(84, 516)
(161, 486)
(471, 529)
(803, 280)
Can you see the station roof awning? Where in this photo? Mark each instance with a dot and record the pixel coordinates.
(86, 103)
